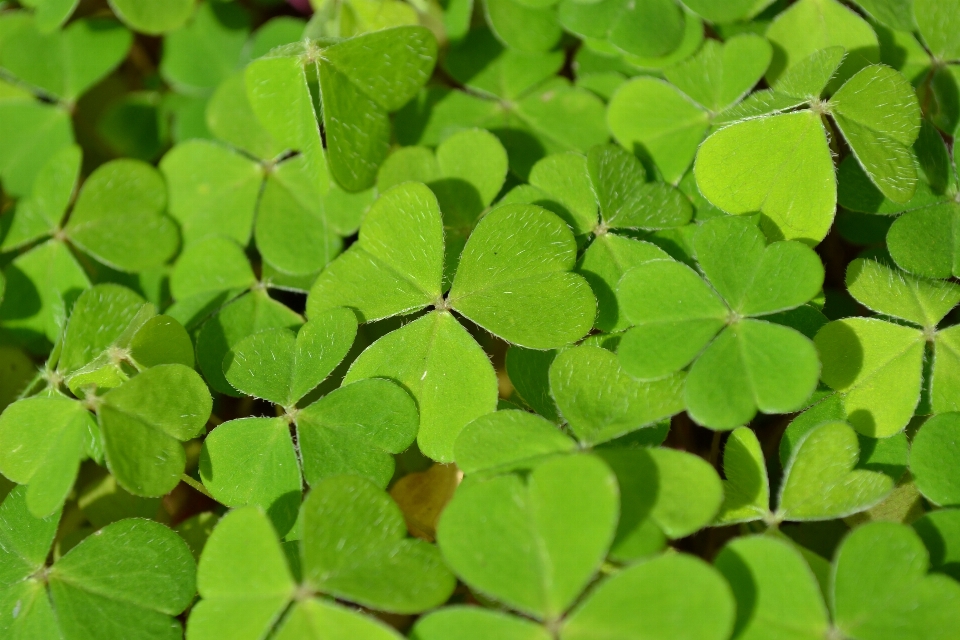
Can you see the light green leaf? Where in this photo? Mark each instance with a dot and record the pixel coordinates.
(153, 17)
(216, 34)
(724, 11)
(212, 190)
(472, 165)
(752, 365)
(474, 623)
(937, 21)
(878, 114)
(24, 539)
(98, 318)
(51, 14)
(901, 295)
(876, 366)
(161, 340)
(566, 178)
(529, 372)
(355, 429)
(385, 569)
(504, 440)
(672, 597)
(32, 132)
(489, 531)
(44, 441)
(437, 361)
(746, 489)
(896, 14)
(945, 386)
(810, 25)
(601, 402)
(777, 594)
(867, 604)
(808, 78)
(763, 164)
(651, 118)
(910, 246)
(230, 117)
(514, 279)
(143, 422)
(675, 313)
(209, 266)
(720, 75)
(820, 482)
(395, 267)
(940, 532)
(934, 456)
(118, 217)
(243, 579)
(522, 27)
(648, 28)
(322, 620)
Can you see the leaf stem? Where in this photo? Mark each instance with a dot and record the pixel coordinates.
(196, 485)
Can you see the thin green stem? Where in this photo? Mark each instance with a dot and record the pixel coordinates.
(196, 485)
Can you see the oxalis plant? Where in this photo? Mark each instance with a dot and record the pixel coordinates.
(518, 319)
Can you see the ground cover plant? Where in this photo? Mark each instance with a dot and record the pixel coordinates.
(506, 320)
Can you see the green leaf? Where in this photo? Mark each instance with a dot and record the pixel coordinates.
(51, 14)
(522, 27)
(671, 597)
(514, 279)
(243, 579)
(230, 117)
(746, 489)
(896, 14)
(720, 75)
(867, 604)
(909, 244)
(45, 438)
(118, 217)
(281, 367)
(776, 592)
(810, 25)
(212, 190)
(66, 63)
(209, 266)
(820, 481)
(32, 132)
(763, 164)
(153, 17)
(355, 429)
(566, 178)
(808, 78)
(724, 11)
(98, 318)
(938, 26)
(653, 119)
(143, 422)
(648, 28)
(217, 35)
(385, 570)
(752, 365)
(245, 316)
(675, 313)
(503, 440)
(901, 295)
(395, 267)
(940, 532)
(878, 114)
(946, 371)
(322, 620)
(437, 361)
(25, 539)
(876, 366)
(601, 402)
(933, 459)
(161, 340)
(474, 623)
(533, 545)
(529, 372)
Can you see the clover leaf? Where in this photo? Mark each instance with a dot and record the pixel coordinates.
(153, 16)
(932, 459)
(681, 319)
(482, 622)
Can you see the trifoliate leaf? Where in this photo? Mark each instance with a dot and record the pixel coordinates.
(474, 623)
(98, 318)
(652, 118)
(938, 26)
(933, 459)
(385, 570)
(867, 604)
(746, 489)
(252, 461)
(245, 316)
(675, 313)
(876, 366)
(118, 217)
(601, 402)
(763, 164)
(777, 594)
(65, 63)
(45, 438)
(514, 279)
(820, 482)
(243, 579)
(355, 429)
(901, 295)
(879, 116)
(522, 27)
(507, 439)
(153, 17)
(321, 620)
(910, 246)
(212, 190)
(395, 267)
(810, 25)
(282, 367)
(143, 422)
(443, 368)
(488, 530)
(674, 596)
(752, 365)
(216, 34)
